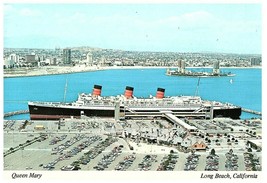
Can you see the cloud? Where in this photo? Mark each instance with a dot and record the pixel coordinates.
(79, 17)
(134, 23)
(29, 12)
(8, 8)
(192, 20)
(241, 26)
(197, 16)
(76, 19)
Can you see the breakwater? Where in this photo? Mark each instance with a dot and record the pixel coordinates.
(16, 113)
(251, 111)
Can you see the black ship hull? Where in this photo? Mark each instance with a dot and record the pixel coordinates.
(55, 113)
(233, 113)
(46, 112)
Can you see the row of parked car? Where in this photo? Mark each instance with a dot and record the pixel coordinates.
(55, 140)
(108, 159)
(74, 151)
(60, 148)
(168, 162)
(93, 152)
(212, 162)
(126, 163)
(252, 162)
(146, 163)
(191, 162)
(231, 163)
(86, 125)
(9, 124)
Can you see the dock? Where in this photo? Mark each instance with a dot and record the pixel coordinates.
(251, 111)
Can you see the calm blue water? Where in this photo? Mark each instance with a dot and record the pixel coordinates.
(244, 91)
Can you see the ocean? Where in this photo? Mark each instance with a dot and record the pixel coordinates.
(243, 89)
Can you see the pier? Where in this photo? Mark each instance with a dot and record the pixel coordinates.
(8, 114)
(251, 111)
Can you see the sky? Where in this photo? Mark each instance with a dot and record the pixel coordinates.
(224, 28)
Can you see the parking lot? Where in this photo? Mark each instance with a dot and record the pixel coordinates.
(95, 145)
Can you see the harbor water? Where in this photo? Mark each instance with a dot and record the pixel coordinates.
(243, 89)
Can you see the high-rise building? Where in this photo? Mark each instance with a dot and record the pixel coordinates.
(182, 69)
(30, 59)
(216, 67)
(14, 57)
(8, 63)
(89, 58)
(66, 56)
(255, 61)
(179, 64)
(54, 61)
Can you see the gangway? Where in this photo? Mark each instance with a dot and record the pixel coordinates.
(180, 122)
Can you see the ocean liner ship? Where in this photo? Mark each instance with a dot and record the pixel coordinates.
(129, 106)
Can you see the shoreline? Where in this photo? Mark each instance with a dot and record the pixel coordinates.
(58, 70)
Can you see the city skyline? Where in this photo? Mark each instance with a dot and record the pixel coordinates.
(225, 28)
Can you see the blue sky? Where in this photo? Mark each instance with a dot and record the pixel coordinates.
(229, 28)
